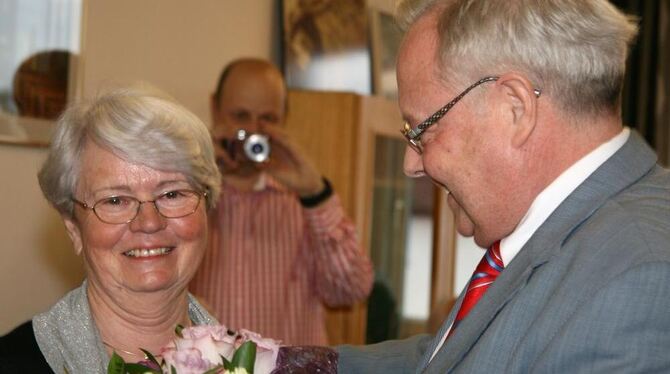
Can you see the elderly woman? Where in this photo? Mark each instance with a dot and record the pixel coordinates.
(133, 175)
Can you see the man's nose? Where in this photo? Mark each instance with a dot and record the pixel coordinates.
(413, 163)
(253, 125)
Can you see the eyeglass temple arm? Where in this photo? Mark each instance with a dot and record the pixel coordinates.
(412, 133)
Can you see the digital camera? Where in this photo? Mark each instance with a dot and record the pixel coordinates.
(254, 147)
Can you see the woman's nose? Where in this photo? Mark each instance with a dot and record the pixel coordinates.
(148, 218)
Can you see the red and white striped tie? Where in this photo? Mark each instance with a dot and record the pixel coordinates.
(485, 273)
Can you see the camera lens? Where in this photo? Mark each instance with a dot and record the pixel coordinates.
(257, 147)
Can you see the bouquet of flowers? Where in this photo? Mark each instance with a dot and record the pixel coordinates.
(217, 350)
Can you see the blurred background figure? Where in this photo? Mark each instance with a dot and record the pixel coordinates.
(281, 246)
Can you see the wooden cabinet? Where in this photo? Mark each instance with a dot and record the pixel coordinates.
(340, 132)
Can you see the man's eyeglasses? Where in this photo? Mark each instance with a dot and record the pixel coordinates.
(413, 135)
(124, 209)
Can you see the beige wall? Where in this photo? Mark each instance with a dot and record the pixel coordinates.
(178, 48)
(38, 265)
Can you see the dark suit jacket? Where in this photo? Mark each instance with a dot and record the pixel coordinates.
(588, 293)
(19, 352)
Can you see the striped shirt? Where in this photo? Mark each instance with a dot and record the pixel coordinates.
(272, 264)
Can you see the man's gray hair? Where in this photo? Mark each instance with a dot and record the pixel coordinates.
(573, 50)
(139, 125)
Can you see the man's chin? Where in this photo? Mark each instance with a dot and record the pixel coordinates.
(464, 228)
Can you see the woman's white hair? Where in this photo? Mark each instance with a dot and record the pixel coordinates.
(573, 50)
(139, 125)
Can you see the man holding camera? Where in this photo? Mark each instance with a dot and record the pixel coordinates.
(281, 245)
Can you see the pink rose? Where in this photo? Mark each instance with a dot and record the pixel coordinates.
(186, 361)
(203, 345)
(219, 332)
(266, 351)
(211, 341)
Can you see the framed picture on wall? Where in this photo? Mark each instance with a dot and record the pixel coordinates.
(325, 45)
(385, 41)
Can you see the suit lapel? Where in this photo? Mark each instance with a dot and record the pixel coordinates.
(438, 336)
(625, 167)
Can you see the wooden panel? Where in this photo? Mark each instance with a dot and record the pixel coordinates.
(325, 125)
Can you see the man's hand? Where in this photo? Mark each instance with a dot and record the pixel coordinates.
(220, 135)
(290, 166)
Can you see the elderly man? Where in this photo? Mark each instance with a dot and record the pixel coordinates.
(528, 140)
(282, 246)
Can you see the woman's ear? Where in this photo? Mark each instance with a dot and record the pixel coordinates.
(522, 98)
(74, 233)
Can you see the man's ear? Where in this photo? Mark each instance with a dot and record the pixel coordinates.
(214, 109)
(522, 99)
(74, 233)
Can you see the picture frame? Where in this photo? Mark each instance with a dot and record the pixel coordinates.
(385, 41)
(37, 67)
(326, 45)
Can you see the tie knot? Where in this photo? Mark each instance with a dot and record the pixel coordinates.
(493, 256)
(491, 264)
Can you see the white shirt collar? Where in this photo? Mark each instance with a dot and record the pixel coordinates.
(553, 195)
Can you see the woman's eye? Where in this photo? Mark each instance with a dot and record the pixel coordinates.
(172, 195)
(115, 200)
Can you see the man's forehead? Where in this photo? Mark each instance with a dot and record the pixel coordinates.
(421, 40)
(252, 90)
(417, 67)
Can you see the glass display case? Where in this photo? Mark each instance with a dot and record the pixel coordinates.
(355, 141)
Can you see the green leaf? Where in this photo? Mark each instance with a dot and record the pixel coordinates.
(139, 369)
(150, 357)
(245, 357)
(225, 362)
(215, 370)
(116, 365)
(228, 365)
(173, 370)
(177, 330)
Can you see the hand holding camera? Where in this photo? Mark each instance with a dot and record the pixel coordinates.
(290, 165)
(274, 152)
(248, 146)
